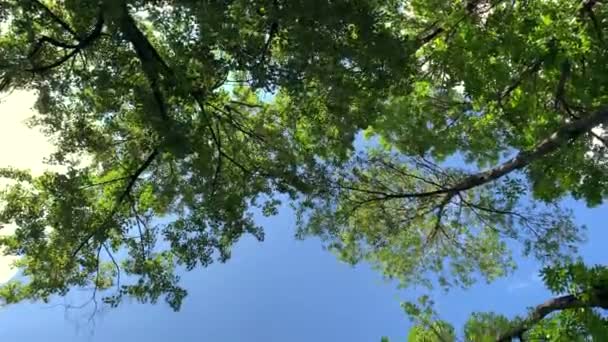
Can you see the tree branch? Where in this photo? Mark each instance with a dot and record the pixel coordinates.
(83, 43)
(56, 18)
(139, 222)
(154, 66)
(529, 70)
(132, 180)
(114, 180)
(598, 299)
(436, 31)
(245, 104)
(438, 217)
(52, 41)
(274, 28)
(116, 265)
(568, 132)
(152, 63)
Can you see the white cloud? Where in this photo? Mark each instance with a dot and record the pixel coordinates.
(22, 147)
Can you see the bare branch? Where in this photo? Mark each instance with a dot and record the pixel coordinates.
(591, 132)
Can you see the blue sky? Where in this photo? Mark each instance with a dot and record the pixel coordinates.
(284, 290)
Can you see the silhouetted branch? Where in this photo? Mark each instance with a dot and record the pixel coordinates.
(82, 44)
(56, 18)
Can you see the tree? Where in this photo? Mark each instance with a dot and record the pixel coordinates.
(201, 110)
(574, 316)
(167, 100)
(500, 124)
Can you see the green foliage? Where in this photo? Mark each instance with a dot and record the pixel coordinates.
(436, 332)
(574, 316)
(485, 327)
(427, 327)
(169, 100)
(200, 112)
(494, 80)
(446, 240)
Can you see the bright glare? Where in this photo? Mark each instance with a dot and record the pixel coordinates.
(21, 147)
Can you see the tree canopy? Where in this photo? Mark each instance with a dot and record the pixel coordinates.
(481, 116)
